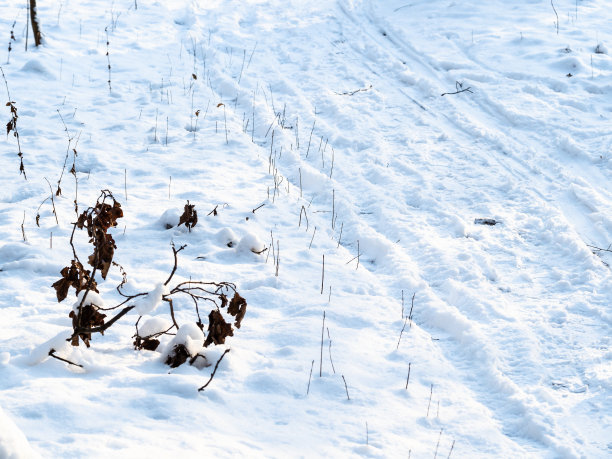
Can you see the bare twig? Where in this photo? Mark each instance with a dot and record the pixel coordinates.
(459, 89)
(555, 10)
(321, 361)
(52, 354)
(352, 93)
(401, 332)
(175, 252)
(438, 445)
(312, 239)
(408, 378)
(346, 388)
(214, 371)
(258, 207)
(52, 201)
(322, 274)
(303, 209)
(330, 354)
(310, 378)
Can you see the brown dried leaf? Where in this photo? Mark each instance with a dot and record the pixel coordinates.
(88, 317)
(147, 343)
(218, 329)
(237, 308)
(189, 217)
(177, 356)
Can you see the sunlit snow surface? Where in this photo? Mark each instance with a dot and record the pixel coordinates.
(331, 115)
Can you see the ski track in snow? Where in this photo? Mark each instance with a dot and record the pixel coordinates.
(511, 324)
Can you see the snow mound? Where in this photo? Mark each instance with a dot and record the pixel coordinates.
(250, 243)
(148, 303)
(59, 343)
(154, 325)
(37, 67)
(13, 443)
(190, 336)
(92, 298)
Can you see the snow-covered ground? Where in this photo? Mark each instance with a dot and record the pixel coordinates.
(321, 126)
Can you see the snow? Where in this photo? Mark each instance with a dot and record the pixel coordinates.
(321, 131)
(148, 303)
(91, 298)
(188, 335)
(13, 443)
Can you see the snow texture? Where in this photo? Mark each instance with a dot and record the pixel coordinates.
(319, 131)
(148, 303)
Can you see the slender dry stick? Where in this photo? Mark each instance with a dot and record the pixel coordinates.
(52, 201)
(225, 119)
(310, 378)
(330, 354)
(333, 206)
(277, 257)
(340, 238)
(251, 56)
(214, 371)
(430, 394)
(332, 166)
(329, 297)
(408, 378)
(108, 60)
(28, 24)
(13, 125)
(312, 239)
(310, 139)
(242, 68)
(155, 131)
(555, 10)
(22, 229)
(401, 332)
(358, 255)
(52, 354)
(303, 209)
(321, 361)
(438, 445)
(322, 274)
(300, 171)
(59, 181)
(451, 450)
(411, 308)
(346, 388)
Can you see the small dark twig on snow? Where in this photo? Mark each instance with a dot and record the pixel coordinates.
(52, 354)
(214, 371)
(460, 89)
(352, 93)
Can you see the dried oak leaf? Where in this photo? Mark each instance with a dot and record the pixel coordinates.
(147, 343)
(10, 126)
(105, 252)
(189, 217)
(237, 308)
(73, 276)
(88, 317)
(107, 215)
(177, 356)
(218, 329)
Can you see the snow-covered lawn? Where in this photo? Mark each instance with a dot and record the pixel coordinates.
(414, 198)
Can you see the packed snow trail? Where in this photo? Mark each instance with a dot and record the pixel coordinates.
(331, 116)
